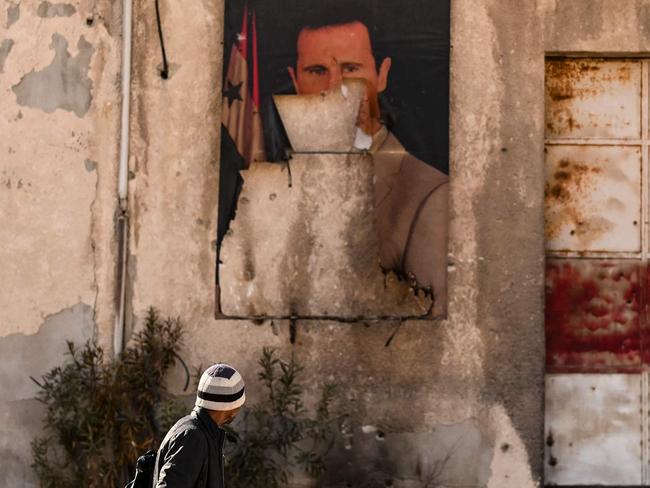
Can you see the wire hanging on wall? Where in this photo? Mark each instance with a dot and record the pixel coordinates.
(164, 73)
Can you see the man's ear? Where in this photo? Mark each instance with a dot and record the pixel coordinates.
(382, 80)
(292, 73)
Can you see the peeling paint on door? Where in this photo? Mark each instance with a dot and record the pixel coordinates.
(593, 315)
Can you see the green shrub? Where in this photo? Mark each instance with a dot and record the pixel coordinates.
(102, 414)
(277, 434)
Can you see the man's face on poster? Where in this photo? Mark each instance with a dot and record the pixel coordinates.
(328, 54)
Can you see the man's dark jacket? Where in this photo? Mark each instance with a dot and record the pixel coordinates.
(191, 454)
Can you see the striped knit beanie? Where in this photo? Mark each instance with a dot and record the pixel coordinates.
(221, 388)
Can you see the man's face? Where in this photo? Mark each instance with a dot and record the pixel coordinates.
(329, 54)
(224, 417)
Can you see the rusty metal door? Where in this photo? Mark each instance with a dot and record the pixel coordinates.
(596, 218)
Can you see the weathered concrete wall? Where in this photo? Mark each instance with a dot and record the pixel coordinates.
(59, 93)
(454, 402)
(457, 401)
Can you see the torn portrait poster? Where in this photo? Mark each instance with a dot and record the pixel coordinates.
(333, 189)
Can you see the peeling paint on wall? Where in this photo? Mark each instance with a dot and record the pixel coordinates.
(56, 200)
(594, 316)
(13, 14)
(5, 49)
(49, 10)
(33, 355)
(63, 84)
(90, 165)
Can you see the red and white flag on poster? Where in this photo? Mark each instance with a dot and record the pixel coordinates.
(240, 114)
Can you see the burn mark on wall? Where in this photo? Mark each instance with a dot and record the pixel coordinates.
(49, 10)
(300, 245)
(369, 456)
(64, 84)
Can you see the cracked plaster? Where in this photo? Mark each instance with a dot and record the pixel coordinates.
(374, 456)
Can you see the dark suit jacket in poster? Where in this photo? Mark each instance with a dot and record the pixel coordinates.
(411, 209)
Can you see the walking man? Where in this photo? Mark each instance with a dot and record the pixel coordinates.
(191, 454)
